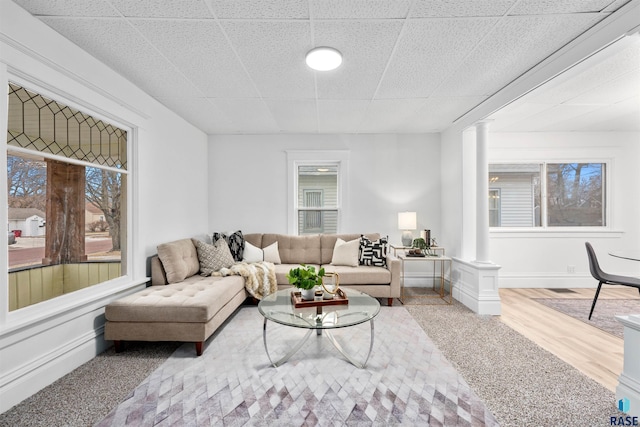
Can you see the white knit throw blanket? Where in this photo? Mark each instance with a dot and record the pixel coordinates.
(259, 277)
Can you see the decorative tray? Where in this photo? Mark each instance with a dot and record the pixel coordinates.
(415, 255)
(340, 298)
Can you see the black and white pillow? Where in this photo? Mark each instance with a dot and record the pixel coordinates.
(235, 242)
(373, 252)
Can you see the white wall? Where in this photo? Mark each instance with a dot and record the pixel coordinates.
(541, 258)
(387, 174)
(41, 343)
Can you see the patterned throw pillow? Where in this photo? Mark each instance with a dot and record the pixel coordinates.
(235, 242)
(213, 257)
(373, 252)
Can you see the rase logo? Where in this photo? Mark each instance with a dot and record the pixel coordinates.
(624, 406)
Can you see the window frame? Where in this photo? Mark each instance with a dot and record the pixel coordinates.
(296, 158)
(544, 227)
(86, 298)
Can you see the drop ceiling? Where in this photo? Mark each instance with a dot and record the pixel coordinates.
(237, 66)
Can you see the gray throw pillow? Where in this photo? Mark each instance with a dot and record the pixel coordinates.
(213, 257)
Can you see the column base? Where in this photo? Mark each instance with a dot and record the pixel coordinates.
(476, 286)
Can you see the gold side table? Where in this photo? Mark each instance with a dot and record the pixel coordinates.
(436, 249)
(441, 271)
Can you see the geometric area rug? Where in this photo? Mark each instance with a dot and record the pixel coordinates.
(406, 381)
(603, 315)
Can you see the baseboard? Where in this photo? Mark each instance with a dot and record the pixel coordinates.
(33, 377)
(489, 306)
(547, 281)
(630, 389)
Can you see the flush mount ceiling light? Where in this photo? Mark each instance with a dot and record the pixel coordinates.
(324, 58)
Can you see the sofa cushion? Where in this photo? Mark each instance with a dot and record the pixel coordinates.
(179, 259)
(213, 257)
(254, 238)
(346, 253)
(235, 241)
(296, 249)
(373, 252)
(362, 275)
(328, 242)
(196, 300)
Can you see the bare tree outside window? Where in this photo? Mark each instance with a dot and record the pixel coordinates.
(104, 192)
(27, 182)
(575, 195)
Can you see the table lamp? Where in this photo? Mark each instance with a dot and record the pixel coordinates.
(407, 222)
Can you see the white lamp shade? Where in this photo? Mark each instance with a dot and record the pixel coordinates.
(324, 58)
(407, 221)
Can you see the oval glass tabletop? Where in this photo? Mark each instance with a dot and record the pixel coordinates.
(279, 308)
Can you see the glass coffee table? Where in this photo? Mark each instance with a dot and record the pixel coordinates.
(279, 308)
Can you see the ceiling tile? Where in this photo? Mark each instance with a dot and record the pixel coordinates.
(457, 8)
(273, 54)
(612, 118)
(366, 47)
(201, 52)
(163, 8)
(389, 115)
(515, 113)
(123, 49)
(442, 112)
(588, 76)
(609, 92)
(202, 113)
(260, 9)
(546, 7)
(505, 54)
(249, 115)
(428, 52)
(294, 115)
(359, 9)
(68, 7)
(550, 117)
(340, 116)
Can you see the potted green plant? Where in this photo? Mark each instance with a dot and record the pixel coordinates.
(306, 278)
(418, 246)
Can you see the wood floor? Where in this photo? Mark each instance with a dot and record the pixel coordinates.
(596, 353)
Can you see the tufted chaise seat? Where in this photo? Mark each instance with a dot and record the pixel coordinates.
(189, 311)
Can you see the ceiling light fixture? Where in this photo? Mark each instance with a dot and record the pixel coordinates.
(324, 58)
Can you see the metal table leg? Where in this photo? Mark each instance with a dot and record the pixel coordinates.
(349, 358)
(290, 353)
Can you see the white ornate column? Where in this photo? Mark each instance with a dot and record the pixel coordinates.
(482, 192)
(628, 390)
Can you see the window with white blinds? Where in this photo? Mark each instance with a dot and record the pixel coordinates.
(317, 198)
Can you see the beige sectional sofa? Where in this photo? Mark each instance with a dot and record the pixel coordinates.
(182, 305)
